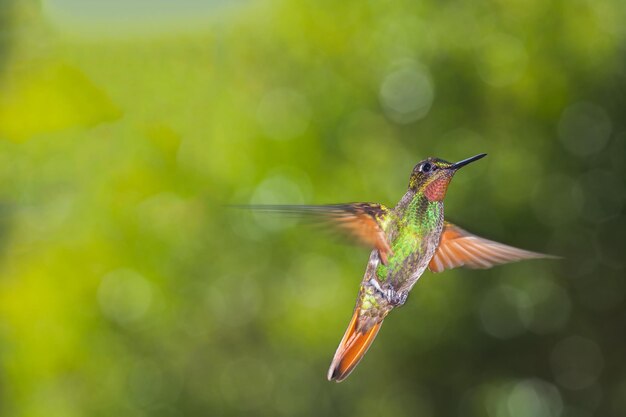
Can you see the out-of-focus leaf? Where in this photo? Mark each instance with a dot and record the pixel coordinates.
(51, 98)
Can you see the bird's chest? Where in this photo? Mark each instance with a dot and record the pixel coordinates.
(413, 244)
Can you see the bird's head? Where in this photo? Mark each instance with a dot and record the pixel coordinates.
(432, 176)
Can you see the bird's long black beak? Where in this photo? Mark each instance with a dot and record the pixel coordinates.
(467, 161)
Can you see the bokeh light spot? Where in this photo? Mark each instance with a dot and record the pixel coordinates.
(534, 398)
(407, 93)
(283, 114)
(584, 128)
(551, 306)
(513, 398)
(505, 312)
(576, 362)
(558, 200)
(605, 194)
(503, 59)
(276, 189)
(124, 296)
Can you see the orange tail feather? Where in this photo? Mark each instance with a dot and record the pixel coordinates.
(351, 349)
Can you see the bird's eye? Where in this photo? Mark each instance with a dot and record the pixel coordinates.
(426, 167)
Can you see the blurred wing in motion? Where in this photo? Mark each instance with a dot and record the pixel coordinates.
(361, 221)
(461, 248)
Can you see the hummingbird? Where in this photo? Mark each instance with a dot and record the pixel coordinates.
(406, 240)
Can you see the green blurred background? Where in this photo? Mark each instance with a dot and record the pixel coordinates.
(126, 288)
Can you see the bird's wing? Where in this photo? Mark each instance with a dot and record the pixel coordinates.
(458, 248)
(361, 221)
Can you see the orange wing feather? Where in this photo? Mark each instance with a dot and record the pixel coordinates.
(460, 248)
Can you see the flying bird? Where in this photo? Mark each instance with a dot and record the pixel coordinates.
(406, 240)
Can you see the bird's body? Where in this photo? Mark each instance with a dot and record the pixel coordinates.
(407, 239)
(413, 229)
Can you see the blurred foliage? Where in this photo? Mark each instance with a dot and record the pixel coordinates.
(127, 289)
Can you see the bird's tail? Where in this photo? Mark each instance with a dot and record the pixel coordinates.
(352, 348)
